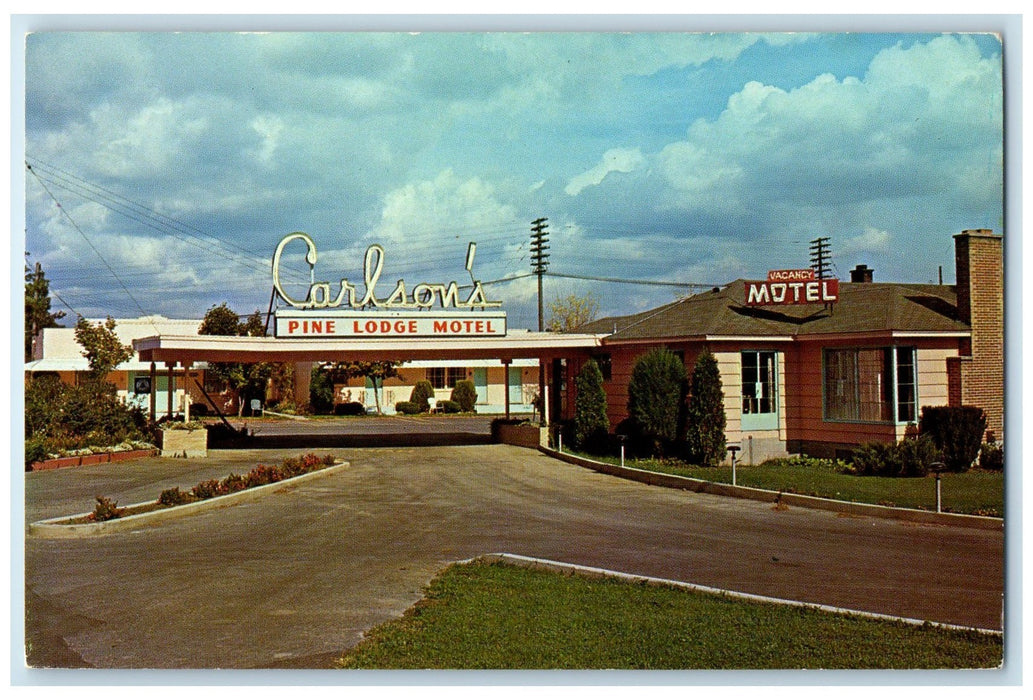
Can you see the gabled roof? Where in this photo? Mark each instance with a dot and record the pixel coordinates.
(863, 308)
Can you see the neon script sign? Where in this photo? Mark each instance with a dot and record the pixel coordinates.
(423, 296)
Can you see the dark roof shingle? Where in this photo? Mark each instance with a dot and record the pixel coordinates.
(875, 307)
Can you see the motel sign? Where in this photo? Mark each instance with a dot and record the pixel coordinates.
(424, 310)
(784, 287)
(380, 324)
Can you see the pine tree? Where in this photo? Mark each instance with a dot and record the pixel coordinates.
(706, 423)
(591, 424)
(656, 397)
(37, 307)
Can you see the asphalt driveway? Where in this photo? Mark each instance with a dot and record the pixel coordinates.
(293, 579)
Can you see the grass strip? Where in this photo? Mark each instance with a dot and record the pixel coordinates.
(971, 493)
(500, 616)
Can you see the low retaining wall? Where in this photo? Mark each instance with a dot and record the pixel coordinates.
(85, 460)
(788, 499)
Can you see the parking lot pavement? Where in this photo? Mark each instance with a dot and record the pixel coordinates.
(293, 579)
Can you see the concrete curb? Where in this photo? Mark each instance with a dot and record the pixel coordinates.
(565, 568)
(788, 499)
(59, 528)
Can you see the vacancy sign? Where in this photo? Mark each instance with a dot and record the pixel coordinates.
(792, 287)
(374, 325)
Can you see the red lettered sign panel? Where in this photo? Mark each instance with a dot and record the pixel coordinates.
(769, 293)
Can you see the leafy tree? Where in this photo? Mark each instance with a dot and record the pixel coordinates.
(101, 346)
(247, 379)
(572, 311)
(706, 418)
(321, 390)
(591, 424)
(656, 397)
(37, 307)
(376, 372)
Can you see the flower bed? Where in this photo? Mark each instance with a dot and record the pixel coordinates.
(231, 487)
(86, 457)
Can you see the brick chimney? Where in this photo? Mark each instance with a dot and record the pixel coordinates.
(861, 273)
(979, 260)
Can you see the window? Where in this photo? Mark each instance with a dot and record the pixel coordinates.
(445, 377)
(605, 363)
(759, 390)
(870, 385)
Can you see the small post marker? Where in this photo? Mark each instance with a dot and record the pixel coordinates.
(733, 449)
(937, 468)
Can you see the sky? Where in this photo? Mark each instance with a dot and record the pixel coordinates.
(165, 167)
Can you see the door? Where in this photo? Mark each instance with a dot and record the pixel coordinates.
(759, 390)
(480, 383)
(516, 386)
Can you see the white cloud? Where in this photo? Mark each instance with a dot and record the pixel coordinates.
(269, 127)
(872, 240)
(616, 160)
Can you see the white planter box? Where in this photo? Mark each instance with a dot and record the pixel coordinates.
(184, 443)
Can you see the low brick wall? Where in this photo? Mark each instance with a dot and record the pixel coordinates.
(85, 460)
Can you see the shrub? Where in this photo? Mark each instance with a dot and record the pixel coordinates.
(262, 475)
(420, 393)
(173, 497)
(915, 455)
(464, 393)
(656, 397)
(991, 455)
(232, 483)
(35, 451)
(408, 408)
(591, 424)
(352, 408)
(105, 509)
(957, 431)
(705, 432)
(876, 459)
(449, 406)
(205, 489)
(910, 457)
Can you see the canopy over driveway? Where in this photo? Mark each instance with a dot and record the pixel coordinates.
(186, 350)
(212, 348)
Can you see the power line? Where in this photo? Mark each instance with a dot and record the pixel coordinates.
(90, 243)
(619, 280)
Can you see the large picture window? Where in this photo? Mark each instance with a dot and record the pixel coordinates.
(870, 385)
(445, 377)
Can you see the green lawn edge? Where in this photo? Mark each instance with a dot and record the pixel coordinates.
(481, 615)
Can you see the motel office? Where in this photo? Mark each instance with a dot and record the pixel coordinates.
(819, 378)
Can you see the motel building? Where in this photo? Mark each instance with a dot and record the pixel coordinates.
(811, 366)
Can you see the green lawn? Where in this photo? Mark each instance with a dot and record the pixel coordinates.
(974, 492)
(497, 616)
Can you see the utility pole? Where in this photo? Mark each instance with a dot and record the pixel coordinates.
(820, 257)
(539, 260)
